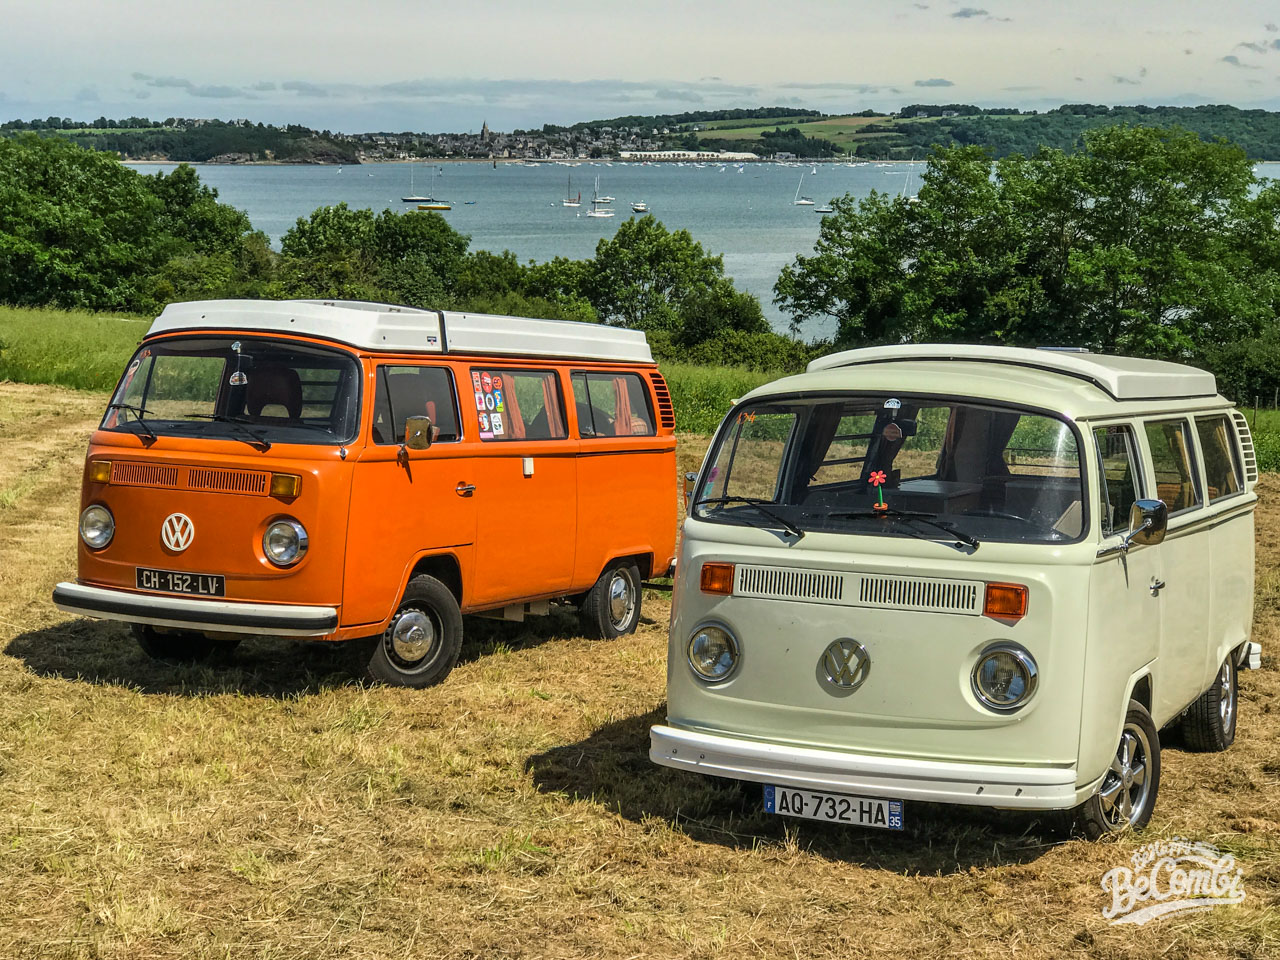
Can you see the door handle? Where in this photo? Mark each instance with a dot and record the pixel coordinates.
(464, 489)
(1156, 586)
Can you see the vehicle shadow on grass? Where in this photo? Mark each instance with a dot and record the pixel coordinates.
(612, 768)
(483, 636)
(104, 652)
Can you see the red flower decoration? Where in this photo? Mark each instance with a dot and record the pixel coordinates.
(877, 478)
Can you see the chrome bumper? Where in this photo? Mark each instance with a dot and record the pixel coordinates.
(978, 784)
(208, 616)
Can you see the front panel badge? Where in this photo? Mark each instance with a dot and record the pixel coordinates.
(846, 664)
(177, 532)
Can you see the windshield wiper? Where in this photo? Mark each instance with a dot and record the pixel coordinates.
(931, 519)
(252, 438)
(137, 418)
(759, 505)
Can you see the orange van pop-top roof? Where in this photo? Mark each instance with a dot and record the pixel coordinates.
(395, 329)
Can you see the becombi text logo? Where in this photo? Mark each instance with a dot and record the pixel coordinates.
(1172, 876)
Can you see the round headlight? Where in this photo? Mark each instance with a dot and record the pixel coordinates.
(285, 542)
(713, 652)
(1004, 677)
(97, 526)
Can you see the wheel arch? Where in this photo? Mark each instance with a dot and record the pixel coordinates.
(445, 567)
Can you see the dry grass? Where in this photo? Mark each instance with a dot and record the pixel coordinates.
(269, 807)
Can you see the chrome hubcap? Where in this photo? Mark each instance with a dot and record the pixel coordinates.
(1226, 696)
(412, 635)
(622, 600)
(1125, 789)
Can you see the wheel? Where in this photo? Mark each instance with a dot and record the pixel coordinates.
(421, 644)
(1210, 722)
(1128, 791)
(611, 608)
(177, 646)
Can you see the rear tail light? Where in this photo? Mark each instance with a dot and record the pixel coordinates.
(717, 578)
(1005, 601)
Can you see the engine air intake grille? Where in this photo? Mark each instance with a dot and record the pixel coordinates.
(143, 474)
(781, 583)
(227, 481)
(911, 593)
(666, 413)
(1246, 446)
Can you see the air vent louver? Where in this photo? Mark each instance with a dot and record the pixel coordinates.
(1246, 446)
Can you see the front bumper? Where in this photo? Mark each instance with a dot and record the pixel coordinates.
(206, 616)
(934, 781)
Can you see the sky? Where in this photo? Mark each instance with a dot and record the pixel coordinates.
(431, 66)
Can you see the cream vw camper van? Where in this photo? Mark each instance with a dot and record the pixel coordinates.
(964, 574)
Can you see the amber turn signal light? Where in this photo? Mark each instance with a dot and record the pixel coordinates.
(285, 485)
(100, 471)
(1005, 601)
(717, 578)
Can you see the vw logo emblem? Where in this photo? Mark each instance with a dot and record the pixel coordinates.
(177, 532)
(846, 664)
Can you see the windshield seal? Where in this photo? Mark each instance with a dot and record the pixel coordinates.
(273, 389)
(856, 524)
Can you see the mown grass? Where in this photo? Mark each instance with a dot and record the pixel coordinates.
(269, 806)
(88, 352)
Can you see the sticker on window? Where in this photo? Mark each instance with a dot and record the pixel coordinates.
(497, 397)
(238, 379)
(475, 379)
(489, 403)
(495, 420)
(486, 381)
(479, 400)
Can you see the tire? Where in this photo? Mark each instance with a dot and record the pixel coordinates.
(177, 646)
(421, 644)
(611, 608)
(1210, 722)
(1127, 795)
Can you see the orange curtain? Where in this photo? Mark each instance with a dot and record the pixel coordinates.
(621, 408)
(511, 408)
(551, 400)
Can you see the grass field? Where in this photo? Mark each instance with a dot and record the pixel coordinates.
(844, 131)
(267, 806)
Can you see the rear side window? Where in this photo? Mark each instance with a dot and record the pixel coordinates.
(1170, 442)
(1221, 466)
(612, 405)
(414, 392)
(518, 404)
(1120, 479)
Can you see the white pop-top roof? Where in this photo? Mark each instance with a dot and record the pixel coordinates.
(1124, 378)
(384, 327)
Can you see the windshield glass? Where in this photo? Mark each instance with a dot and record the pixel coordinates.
(249, 388)
(828, 464)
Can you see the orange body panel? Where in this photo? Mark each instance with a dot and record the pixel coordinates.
(543, 520)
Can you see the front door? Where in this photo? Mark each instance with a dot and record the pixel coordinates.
(406, 504)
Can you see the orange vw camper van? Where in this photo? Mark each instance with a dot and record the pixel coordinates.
(340, 471)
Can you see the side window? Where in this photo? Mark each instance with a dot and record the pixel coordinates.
(1119, 477)
(1221, 466)
(844, 459)
(518, 404)
(612, 405)
(1175, 478)
(405, 391)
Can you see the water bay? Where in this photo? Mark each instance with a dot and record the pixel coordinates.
(749, 217)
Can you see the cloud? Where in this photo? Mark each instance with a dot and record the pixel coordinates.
(849, 87)
(1235, 61)
(164, 82)
(968, 13)
(304, 89)
(1142, 71)
(86, 95)
(1255, 47)
(1188, 51)
(1023, 89)
(934, 82)
(215, 92)
(921, 6)
(1275, 44)
(683, 96)
(1271, 28)
(264, 86)
(1125, 80)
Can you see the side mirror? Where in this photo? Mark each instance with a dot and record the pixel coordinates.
(1148, 521)
(419, 433)
(689, 480)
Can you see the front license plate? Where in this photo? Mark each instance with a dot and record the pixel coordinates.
(174, 581)
(833, 807)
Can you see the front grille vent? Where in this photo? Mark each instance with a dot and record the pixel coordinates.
(1246, 446)
(143, 474)
(227, 481)
(781, 583)
(912, 593)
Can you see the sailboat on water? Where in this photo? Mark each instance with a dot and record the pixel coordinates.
(569, 199)
(413, 197)
(800, 201)
(596, 201)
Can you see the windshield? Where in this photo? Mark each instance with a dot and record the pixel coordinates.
(253, 389)
(936, 469)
